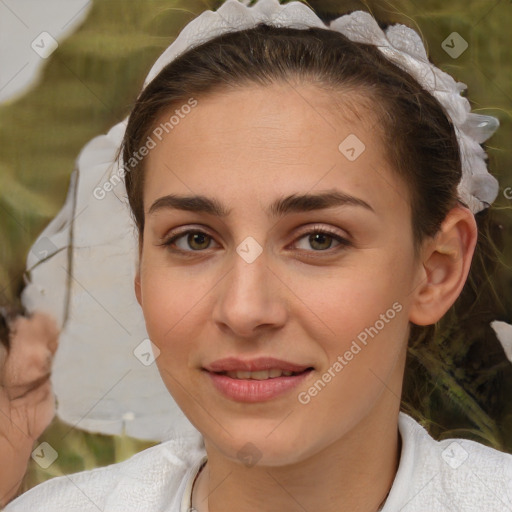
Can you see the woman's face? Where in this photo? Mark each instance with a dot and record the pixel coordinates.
(257, 282)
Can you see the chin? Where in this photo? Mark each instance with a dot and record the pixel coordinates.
(259, 445)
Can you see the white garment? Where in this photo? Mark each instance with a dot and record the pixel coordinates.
(433, 476)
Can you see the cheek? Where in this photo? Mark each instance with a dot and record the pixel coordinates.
(168, 299)
(365, 327)
(168, 308)
(362, 333)
(370, 289)
(176, 305)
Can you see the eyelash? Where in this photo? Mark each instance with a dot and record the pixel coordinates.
(343, 242)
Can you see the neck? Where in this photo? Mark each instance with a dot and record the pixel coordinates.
(355, 473)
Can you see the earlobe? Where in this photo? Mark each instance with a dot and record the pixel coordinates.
(446, 260)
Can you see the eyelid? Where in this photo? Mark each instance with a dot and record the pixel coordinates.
(313, 228)
(309, 229)
(344, 242)
(176, 233)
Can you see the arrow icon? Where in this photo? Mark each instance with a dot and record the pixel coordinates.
(454, 455)
(44, 45)
(249, 454)
(351, 147)
(249, 252)
(146, 352)
(454, 45)
(44, 455)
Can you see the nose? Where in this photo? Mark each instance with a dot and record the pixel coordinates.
(251, 299)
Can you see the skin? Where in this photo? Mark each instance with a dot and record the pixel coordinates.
(27, 404)
(298, 301)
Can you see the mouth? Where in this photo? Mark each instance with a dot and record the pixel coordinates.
(257, 380)
(255, 368)
(273, 373)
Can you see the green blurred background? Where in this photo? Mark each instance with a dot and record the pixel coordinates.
(460, 384)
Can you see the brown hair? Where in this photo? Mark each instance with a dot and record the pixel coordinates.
(419, 138)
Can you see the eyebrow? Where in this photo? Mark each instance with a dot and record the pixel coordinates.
(280, 207)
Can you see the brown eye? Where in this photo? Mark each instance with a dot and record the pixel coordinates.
(320, 240)
(192, 240)
(198, 241)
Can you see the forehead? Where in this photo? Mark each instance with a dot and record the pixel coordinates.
(261, 141)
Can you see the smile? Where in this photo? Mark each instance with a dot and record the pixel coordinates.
(259, 375)
(258, 386)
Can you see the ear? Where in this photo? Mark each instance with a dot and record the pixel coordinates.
(446, 260)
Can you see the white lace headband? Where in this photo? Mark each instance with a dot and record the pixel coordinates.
(104, 374)
(400, 44)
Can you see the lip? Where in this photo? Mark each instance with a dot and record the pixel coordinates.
(252, 390)
(230, 364)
